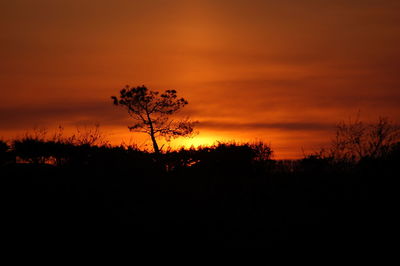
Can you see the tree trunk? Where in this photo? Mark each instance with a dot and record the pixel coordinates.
(153, 138)
(155, 145)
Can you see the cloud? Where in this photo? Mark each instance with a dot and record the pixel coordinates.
(285, 126)
(25, 117)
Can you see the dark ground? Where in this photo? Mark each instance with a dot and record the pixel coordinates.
(221, 206)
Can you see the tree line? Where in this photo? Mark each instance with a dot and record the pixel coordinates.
(353, 143)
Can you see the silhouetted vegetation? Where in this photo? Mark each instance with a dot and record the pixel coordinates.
(228, 194)
(5, 153)
(356, 140)
(151, 113)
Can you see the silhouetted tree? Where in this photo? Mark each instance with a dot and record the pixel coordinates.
(263, 152)
(151, 113)
(356, 140)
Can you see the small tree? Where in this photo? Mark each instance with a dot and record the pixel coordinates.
(151, 113)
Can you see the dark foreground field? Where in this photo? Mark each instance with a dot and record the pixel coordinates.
(224, 199)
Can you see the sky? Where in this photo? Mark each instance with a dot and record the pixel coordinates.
(284, 72)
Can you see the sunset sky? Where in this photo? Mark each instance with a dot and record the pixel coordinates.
(280, 71)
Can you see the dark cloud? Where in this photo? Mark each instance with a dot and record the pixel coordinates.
(25, 117)
(287, 126)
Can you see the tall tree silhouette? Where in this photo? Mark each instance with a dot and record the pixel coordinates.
(151, 112)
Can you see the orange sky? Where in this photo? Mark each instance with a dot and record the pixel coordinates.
(281, 71)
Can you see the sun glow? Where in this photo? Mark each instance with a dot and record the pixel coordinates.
(193, 142)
